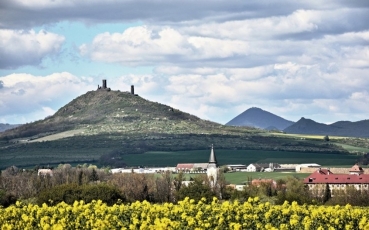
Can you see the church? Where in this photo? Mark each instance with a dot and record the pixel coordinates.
(210, 168)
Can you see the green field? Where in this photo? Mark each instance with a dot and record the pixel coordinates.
(156, 159)
(244, 177)
(334, 140)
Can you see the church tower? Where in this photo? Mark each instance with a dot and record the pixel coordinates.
(212, 170)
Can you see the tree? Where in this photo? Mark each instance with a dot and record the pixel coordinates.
(327, 194)
(94, 177)
(164, 187)
(295, 190)
(196, 190)
(326, 138)
(134, 186)
(178, 181)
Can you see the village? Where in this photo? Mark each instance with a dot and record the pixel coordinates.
(335, 178)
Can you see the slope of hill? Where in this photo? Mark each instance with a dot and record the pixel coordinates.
(103, 111)
(340, 128)
(258, 118)
(102, 127)
(4, 127)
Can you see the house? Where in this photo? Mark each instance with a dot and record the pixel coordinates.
(142, 170)
(185, 167)
(261, 167)
(236, 167)
(323, 177)
(238, 187)
(310, 165)
(45, 172)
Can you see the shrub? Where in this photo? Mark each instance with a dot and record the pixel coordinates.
(73, 192)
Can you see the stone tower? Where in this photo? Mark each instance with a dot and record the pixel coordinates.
(104, 86)
(212, 169)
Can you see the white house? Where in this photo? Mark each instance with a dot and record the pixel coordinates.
(309, 165)
(259, 167)
(44, 172)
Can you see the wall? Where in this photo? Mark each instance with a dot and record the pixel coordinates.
(333, 170)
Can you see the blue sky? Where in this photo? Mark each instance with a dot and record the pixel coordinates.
(214, 60)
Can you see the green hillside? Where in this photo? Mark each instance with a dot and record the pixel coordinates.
(103, 127)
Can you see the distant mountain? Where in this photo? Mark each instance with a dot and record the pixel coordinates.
(340, 128)
(4, 127)
(258, 118)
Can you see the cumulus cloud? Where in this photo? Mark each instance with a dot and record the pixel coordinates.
(25, 98)
(144, 46)
(308, 36)
(288, 89)
(213, 59)
(20, 47)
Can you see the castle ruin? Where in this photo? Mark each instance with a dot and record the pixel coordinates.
(104, 87)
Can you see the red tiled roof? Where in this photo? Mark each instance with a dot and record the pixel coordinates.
(185, 166)
(324, 176)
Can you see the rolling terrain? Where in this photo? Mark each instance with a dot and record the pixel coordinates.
(105, 127)
(340, 128)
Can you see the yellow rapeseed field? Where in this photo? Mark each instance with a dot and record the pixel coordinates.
(187, 214)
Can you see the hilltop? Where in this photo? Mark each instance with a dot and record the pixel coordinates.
(104, 126)
(258, 118)
(102, 111)
(340, 128)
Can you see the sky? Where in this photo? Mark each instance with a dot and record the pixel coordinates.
(213, 59)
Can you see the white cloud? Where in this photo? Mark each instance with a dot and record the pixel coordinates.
(142, 45)
(20, 47)
(26, 98)
(211, 59)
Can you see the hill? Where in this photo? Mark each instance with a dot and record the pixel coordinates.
(103, 127)
(258, 118)
(102, 111)
(4, 127)
(340, 128)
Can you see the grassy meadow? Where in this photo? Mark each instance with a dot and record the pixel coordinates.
(244, 177)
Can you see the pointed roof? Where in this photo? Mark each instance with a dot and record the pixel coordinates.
(212, 158)
(357, 169)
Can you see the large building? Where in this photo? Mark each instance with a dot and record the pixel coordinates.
(322, 177)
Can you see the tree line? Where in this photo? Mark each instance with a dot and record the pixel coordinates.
(86, 182)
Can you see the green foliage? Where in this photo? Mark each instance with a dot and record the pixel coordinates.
(72, 192)
(350, 195)
(295, 190)
(196, 190)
